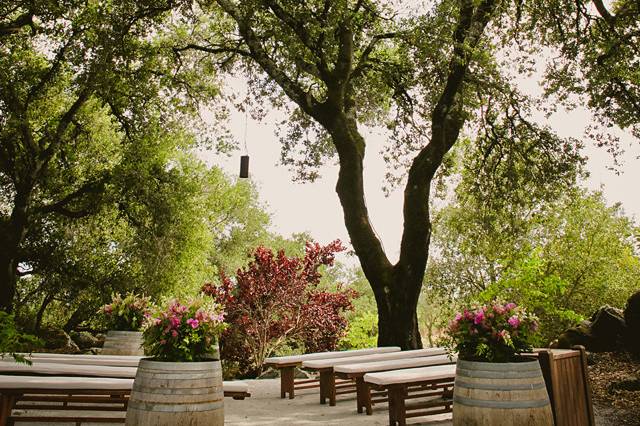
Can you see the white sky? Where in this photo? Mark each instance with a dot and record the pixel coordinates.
(315, 208)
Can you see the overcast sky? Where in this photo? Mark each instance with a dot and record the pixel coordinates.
(314, 207)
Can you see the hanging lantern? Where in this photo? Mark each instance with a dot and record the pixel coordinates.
(244, 166)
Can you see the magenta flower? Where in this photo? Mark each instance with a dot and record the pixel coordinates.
(514, 321)
(174, 333)
(458, 317)
(479, 317)
(498, 309)
(175, 321)
(193, 322)
(510, 306)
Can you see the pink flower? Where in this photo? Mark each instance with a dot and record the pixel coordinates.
(193, 322)
(498, 309)
(175, 321)
(108, 309)
(163, 342)
(502, 335)
(468, 315)
(510, 306)
(157, 321)
(458, 317)
(514, 321)
(174, 333)
(479, 317)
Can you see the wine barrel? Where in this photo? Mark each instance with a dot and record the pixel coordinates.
(495, 394)
(123, 343)
(176, 393)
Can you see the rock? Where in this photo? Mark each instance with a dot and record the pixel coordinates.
(301, 374)
(632, 319)
(100, 337)
(273, 373)
(608, 326)
(57, 341)
(84, 339)
(602, 333)
(270, 373)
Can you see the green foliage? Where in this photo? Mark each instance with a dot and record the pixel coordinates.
(528, 284)
(560, 258)
(184, 332)
(125, 314)
(362, 331)
(13, 341)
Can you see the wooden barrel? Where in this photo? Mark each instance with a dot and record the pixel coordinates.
(176, 393)
(123, 343)
(494, 394)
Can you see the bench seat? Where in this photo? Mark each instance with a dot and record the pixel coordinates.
(434, 383)
(329, 388)
(287, 364)
(357, 371)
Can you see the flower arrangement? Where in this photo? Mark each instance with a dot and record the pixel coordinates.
(184, 332)
(125, 314)
(492, 333)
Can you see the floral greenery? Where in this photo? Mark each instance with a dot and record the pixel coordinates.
(125, 314)
(184, 332)
(492, 333)
(13, 341)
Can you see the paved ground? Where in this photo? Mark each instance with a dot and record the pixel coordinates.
(266, 408)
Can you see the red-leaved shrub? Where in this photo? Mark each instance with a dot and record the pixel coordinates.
(275, 301)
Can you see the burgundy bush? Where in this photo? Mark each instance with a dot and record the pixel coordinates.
(275, 301)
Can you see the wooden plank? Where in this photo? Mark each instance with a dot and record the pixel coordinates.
(63, 419)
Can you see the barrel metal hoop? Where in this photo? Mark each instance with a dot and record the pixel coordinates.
(509, 405)
(499, 366)
(502, 387)
(175, 408)
(483, 374)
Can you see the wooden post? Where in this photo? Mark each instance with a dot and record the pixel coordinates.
(286, 381)
(587, 385)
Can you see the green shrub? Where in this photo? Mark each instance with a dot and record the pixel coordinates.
(362, 332)
(13, 341)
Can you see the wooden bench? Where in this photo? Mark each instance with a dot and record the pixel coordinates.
(63, 393)
(356, 372)
(435, 384)
(329, 388)
(287, 365)
(104, 360)
(233, 389)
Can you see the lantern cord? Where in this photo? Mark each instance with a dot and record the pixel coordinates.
(246, 150)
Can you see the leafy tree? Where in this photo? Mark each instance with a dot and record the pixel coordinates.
(275, 301)
(73, 77)
(576, 255)
(344, 64)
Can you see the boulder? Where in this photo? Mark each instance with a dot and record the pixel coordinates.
(84, 339)
(632, 319)
(604, 332)
(608, 327)
(57, 341)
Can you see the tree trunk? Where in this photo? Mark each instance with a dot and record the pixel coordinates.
(12, 235)
(396, 287)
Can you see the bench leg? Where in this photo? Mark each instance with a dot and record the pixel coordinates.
(286, 382)
(327, 387)
(397, 409)
(360, 393)
(6, 405)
